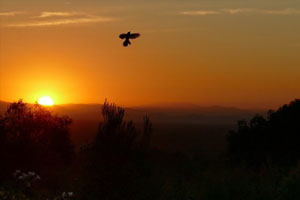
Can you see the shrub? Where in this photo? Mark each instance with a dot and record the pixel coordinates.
(275, 138)
(33, 138)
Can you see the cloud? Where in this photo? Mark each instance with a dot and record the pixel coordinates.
(238, 11)
(62, 22)
(59, 18)
(287, 11)
(57, 14)
(200, 12)
(10, 14)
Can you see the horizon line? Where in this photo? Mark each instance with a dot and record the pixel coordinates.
(184, 105)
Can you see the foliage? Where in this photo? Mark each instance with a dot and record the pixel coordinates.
(117, 156)
(119, 163)
(33, 138)
(275, 138)
(118, 138)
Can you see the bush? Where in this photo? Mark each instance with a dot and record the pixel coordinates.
(275, 138)
(33, 138)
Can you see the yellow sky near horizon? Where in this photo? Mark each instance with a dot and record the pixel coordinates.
(231, 53)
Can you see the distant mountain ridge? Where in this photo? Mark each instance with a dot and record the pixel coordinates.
(184, 113)
(171, 125)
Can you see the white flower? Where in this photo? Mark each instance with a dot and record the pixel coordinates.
(70, 194)
(31, 173)
(17, 173)
(63, 194)
(21, 177)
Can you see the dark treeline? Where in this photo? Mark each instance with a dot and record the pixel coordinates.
(39, 161)
(275, 138)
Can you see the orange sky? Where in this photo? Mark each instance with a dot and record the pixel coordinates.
(231, 53)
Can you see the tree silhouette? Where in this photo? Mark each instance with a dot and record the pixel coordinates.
(275, 138)
(32, 137)
(119, 138)
(116, 157)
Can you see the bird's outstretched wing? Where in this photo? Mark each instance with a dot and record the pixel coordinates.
(134, 35)
(123, 36)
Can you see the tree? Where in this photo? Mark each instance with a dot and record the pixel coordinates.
(32, 137)
(119, 138)
(275, 138)
(116, 158)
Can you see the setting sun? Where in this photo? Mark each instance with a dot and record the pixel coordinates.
(46, 101)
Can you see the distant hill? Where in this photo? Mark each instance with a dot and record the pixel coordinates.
(197, 114)
(178, 113)
(183, 127)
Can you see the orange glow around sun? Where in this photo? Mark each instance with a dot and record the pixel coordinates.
(46, 101)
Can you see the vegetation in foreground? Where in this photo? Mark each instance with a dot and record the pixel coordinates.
(38, 160)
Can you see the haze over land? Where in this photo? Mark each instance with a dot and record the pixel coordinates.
(184, 127)
(183, 113)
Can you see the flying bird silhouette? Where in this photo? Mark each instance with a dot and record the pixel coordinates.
(128, 36)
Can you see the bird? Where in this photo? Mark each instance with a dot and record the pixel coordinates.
(128, 36)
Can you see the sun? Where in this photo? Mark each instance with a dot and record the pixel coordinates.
(46, 101)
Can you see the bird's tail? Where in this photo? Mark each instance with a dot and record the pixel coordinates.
(126, 43)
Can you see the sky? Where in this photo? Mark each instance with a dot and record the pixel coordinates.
(241, 53)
